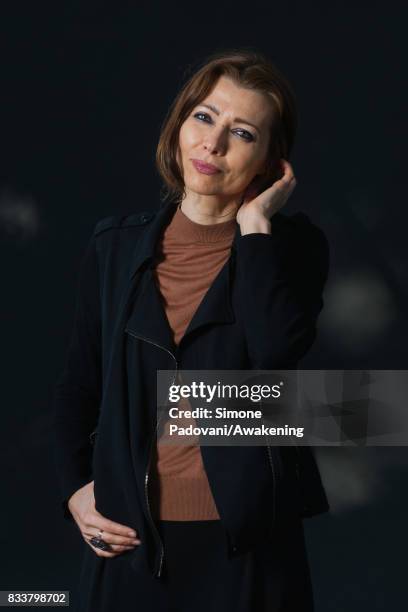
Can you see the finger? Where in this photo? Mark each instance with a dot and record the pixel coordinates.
(104, 524)
(286, 185)
(111, 538)
(103, 553)
(119, 548)
(287, 166)
(288, 174)
(114, 548)
(281, 186)
(286, 182)
(113, 551)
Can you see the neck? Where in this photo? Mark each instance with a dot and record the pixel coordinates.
(207, 212)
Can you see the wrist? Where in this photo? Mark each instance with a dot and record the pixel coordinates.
(255, 224)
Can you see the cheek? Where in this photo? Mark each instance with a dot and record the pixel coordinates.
(189, 136)
(251, 163)
(242, 166)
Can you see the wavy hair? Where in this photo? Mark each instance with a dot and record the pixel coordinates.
(247, 68)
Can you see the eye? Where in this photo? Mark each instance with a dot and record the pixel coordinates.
(202, 114)
(247, 136)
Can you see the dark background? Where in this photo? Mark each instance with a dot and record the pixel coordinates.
(84, 89)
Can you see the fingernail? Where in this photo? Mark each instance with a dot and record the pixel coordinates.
(132, 534)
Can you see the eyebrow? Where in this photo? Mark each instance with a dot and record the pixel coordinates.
(237, 119)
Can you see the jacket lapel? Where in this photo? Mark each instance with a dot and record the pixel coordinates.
(148, 318)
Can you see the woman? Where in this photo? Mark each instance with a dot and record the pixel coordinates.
(218, 278)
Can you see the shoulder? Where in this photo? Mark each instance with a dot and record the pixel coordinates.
(113, 222)
(303, 230)
(299, 222)
(309, 248)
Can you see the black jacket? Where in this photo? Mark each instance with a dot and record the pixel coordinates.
(259, 313)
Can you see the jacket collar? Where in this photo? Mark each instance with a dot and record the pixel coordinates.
(148, 318)
(146, 246)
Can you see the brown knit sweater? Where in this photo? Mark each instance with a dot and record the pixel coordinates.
(189, 257)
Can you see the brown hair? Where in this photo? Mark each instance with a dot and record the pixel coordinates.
(248, 68)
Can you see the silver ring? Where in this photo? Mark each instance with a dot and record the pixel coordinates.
(99, 542)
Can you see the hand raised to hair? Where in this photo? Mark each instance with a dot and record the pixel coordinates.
(265, 204)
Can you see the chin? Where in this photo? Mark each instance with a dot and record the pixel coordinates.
(201, 187)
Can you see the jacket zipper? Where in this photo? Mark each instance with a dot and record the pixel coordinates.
(297, 460)
(274, 483)
(146, 479)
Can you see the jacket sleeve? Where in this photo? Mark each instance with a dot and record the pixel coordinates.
(280, 281)
(77, 392)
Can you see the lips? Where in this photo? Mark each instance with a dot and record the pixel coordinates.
(205, 168)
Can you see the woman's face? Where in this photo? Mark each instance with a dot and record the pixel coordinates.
(233, 135)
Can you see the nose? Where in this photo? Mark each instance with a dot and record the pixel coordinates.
(216, 142)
